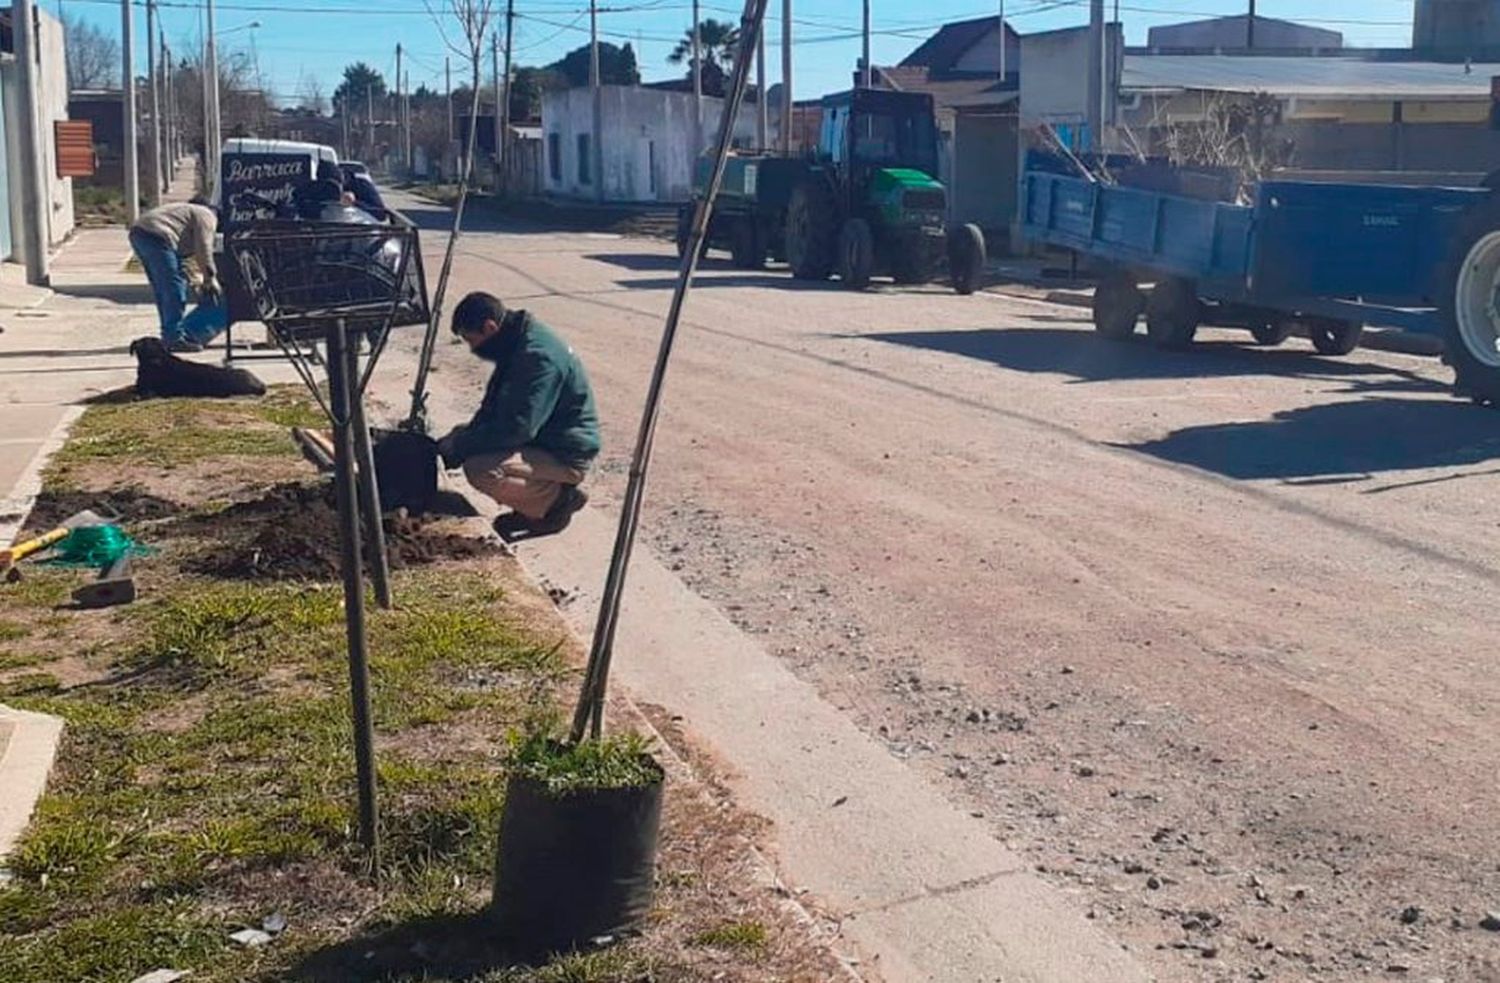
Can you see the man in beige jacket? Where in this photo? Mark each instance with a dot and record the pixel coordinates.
(162, 238)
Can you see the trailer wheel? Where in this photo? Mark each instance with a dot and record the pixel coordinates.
(1272, 333)
(1331, 336)
(1470, 307)
(747, 244)
(966, 257)
(1118, 303)
(1173, 312)
(811, 231)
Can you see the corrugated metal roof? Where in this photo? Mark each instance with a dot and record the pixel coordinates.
(1343, 78)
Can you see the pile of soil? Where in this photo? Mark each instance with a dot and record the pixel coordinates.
(292, 533)
(123, 505)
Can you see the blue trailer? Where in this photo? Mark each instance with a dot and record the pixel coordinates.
(1325, 258)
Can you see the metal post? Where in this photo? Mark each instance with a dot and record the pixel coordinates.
(127, 91)
(369, 489)
(762, 105)
(342, 402)
(35, 215)
(589, 713)
(1250, 28)
(1095, 76)
(596, 84)
(786, 77)
(865, 74)
(510, 27)
(697, 84)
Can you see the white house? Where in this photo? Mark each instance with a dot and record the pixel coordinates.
(50, 107)
(646, 142)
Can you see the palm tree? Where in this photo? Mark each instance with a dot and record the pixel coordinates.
(717, 42)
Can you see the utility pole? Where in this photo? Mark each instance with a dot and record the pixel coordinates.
(401, 113)
(448, 87)
(866, 76)
(1250, 28)
(411, 160)
(786, 77)
(504, 138)
(697, 86)
(597, 151)
(762, 106)
(156, 151)
(35, 215)
(1095, 76)
(343, 109)
(214, 138)
(169, 114)
(1004, 46)
(369, 124)
(127, 89)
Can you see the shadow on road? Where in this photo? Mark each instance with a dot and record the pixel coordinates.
(64, 352)
(1089, 358)
(1358, 437)
(655, 262)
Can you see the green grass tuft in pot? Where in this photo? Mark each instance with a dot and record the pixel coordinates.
(618, 761)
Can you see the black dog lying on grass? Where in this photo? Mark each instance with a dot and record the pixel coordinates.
(160, 373)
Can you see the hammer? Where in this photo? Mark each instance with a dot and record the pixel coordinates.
(115, 585)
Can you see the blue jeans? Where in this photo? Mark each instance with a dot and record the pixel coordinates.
(169, 283)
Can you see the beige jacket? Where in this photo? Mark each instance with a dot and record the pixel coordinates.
(187, 228)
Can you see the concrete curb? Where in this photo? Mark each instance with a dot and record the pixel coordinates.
(925, 890)
(18, 502)
(28, 746)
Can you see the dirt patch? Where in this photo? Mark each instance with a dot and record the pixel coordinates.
(292, 533)
(126, 504)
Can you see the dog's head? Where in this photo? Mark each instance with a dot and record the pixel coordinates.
(150, 351)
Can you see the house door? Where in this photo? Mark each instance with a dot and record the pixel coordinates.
(645, 170)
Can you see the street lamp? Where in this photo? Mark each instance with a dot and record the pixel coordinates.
(243, 27)
(213, 137)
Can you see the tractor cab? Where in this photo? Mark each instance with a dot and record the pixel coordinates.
(870, 129)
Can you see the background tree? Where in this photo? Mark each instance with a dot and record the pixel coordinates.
(527, 88)
(93, 56)
(717, 41)
(617, 65)
(359, 78)
(310, 96)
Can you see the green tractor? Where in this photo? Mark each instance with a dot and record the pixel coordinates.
(864, 204)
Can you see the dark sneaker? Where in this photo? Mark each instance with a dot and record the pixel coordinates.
(183, 346)
(514, 526)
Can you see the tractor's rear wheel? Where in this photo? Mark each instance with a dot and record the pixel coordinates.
(811, 231)
(1173, 313)
(1118, 303)
(966, 257)
(856, 254)
(748, 244)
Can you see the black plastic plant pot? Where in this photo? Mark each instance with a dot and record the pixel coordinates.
(406, 469)
(574, 866)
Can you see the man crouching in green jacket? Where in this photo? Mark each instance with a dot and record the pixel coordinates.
(536, 432)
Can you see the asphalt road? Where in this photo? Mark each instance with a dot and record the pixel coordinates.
(1207, 635)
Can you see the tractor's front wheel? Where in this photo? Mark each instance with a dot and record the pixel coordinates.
(811, 230)
(856, 254)
(966, 257)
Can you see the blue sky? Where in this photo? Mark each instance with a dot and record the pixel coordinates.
(301, 39)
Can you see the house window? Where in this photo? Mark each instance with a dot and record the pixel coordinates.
(554, 157)
(584, 156)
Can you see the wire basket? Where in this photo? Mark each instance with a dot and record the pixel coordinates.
(302, 275)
